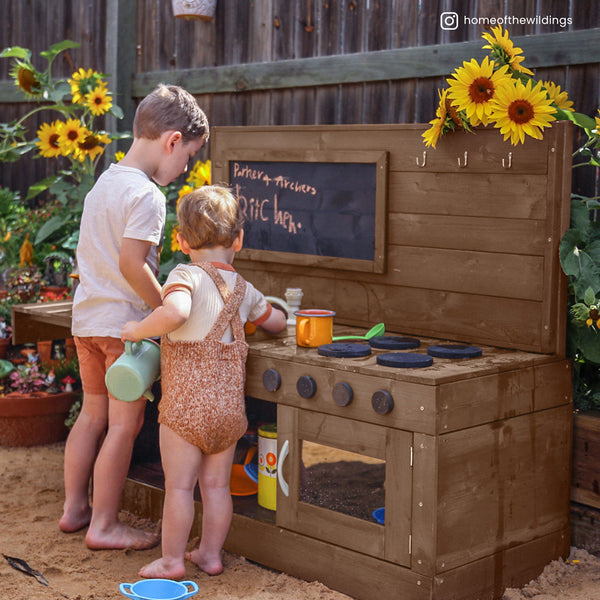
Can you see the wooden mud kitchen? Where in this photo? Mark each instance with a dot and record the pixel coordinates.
(447, 441)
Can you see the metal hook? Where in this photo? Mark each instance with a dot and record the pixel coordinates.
(466, 160)
(424, 159)
(508, 164)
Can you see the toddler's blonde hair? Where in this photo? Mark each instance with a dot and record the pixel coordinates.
(209, 216)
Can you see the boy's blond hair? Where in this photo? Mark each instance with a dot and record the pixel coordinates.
(209, 216)
(170, 107)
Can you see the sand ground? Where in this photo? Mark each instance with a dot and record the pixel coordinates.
(31, 499)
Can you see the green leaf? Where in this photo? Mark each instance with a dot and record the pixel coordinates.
(578, 118)
(16, 52)
(40, 186)
(580, 215)
(589, 297)
(55, 49)
(61, 90)
(569, 252)
(588, 341)
(51, 226)
(117, 111)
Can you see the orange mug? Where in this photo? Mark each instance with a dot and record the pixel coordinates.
(314, 327)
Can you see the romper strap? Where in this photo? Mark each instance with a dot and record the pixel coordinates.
(230, 312)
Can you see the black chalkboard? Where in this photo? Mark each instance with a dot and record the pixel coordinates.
(321, 209)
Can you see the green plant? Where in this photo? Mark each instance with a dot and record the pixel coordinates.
(73, 142)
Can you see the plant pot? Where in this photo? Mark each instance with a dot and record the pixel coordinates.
(194, 9)
(44, 350)
(34, 419)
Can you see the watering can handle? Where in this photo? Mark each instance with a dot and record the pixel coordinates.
(283, 484)
(128, 594)
(193, 591)
(129, 346)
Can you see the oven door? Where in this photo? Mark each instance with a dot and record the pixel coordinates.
(349, 482)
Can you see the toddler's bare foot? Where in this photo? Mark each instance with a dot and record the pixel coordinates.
(210, 565)
(74, 520)
(119, 537)
(163, 568)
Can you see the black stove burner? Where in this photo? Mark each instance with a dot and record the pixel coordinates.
(404, 360)
(393, 342)
(454, 351)
(344, 350)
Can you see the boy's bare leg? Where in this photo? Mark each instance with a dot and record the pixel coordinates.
(80, 453)
(217, 510)
(181, 463)
(112, 465)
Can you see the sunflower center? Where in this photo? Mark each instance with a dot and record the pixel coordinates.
(72, 135)
(98, 101)
(89, 143)
(520, 111)
(53, 140)
(27, 80)
(481, 90)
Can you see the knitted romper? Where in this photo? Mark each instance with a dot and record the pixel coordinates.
(203, 380)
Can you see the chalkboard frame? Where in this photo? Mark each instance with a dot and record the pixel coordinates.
(376, 157)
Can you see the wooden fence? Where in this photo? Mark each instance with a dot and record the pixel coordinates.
(275, 62)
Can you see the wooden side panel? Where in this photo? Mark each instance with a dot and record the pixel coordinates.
(473, 234)
(586, 458)
(502, 484)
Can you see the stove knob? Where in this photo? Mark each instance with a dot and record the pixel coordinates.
(271, 380)
(306, 386)
(382, 402)
(342, 393)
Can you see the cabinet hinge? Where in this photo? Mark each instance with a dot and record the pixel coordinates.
(411, 456)
(409, 543)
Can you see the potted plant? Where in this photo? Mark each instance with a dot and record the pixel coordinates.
(34, 404)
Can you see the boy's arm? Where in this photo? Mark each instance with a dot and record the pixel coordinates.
(133, 266)
(276, 322)
(174, 311)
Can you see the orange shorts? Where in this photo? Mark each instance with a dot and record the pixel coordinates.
(95, 355)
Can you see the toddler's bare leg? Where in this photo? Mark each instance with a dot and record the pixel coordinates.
(217, 510)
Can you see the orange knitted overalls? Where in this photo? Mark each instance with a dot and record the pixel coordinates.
(203, 381)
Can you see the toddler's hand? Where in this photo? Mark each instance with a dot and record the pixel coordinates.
(128, 332)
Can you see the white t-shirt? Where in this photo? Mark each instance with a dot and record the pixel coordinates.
(124, 202)
(207, 303)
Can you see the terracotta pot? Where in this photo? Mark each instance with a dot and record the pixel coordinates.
(34, 419)
(44, 350)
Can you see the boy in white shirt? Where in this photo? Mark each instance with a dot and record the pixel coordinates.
(118, 258)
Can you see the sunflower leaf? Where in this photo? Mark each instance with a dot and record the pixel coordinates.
(61, 90)
(39, 187)
(55, 49)
(578, 118)
(16, 52)
(116, 111)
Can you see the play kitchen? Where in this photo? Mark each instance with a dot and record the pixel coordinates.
(422, 399)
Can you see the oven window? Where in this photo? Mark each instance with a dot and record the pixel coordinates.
(342, 481)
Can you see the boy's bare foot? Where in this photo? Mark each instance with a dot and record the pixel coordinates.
(72, 520)
(211, 566)
(163, 568)
(119, 537)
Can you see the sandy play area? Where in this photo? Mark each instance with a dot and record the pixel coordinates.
(30, 506)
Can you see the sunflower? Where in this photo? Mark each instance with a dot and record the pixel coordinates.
(504, 51)
(200, 174)
(474, 86)
(559, 99)
(49, 134)
(90, 145)
(520, 109)
(119, 156)
(175, 247)
(83, 82)
(28, 79)
(433, 134)
(71, 134)
(597, 119)
(99, 101)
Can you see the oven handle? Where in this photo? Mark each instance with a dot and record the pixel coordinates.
(285, 488)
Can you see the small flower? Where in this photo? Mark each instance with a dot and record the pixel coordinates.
(175, 247)
(597, 119)
(71, 135)
(200, 174)
(559, 99)
(504, 51)
(82, 82)
(90, 145)
(99, 101)
(119, 156)
(474, 86)
(520, 109)
(49, 134)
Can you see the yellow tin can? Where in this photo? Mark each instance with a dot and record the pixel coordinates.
(267, 466)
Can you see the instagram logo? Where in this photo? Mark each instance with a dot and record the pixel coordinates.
(449, 21)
